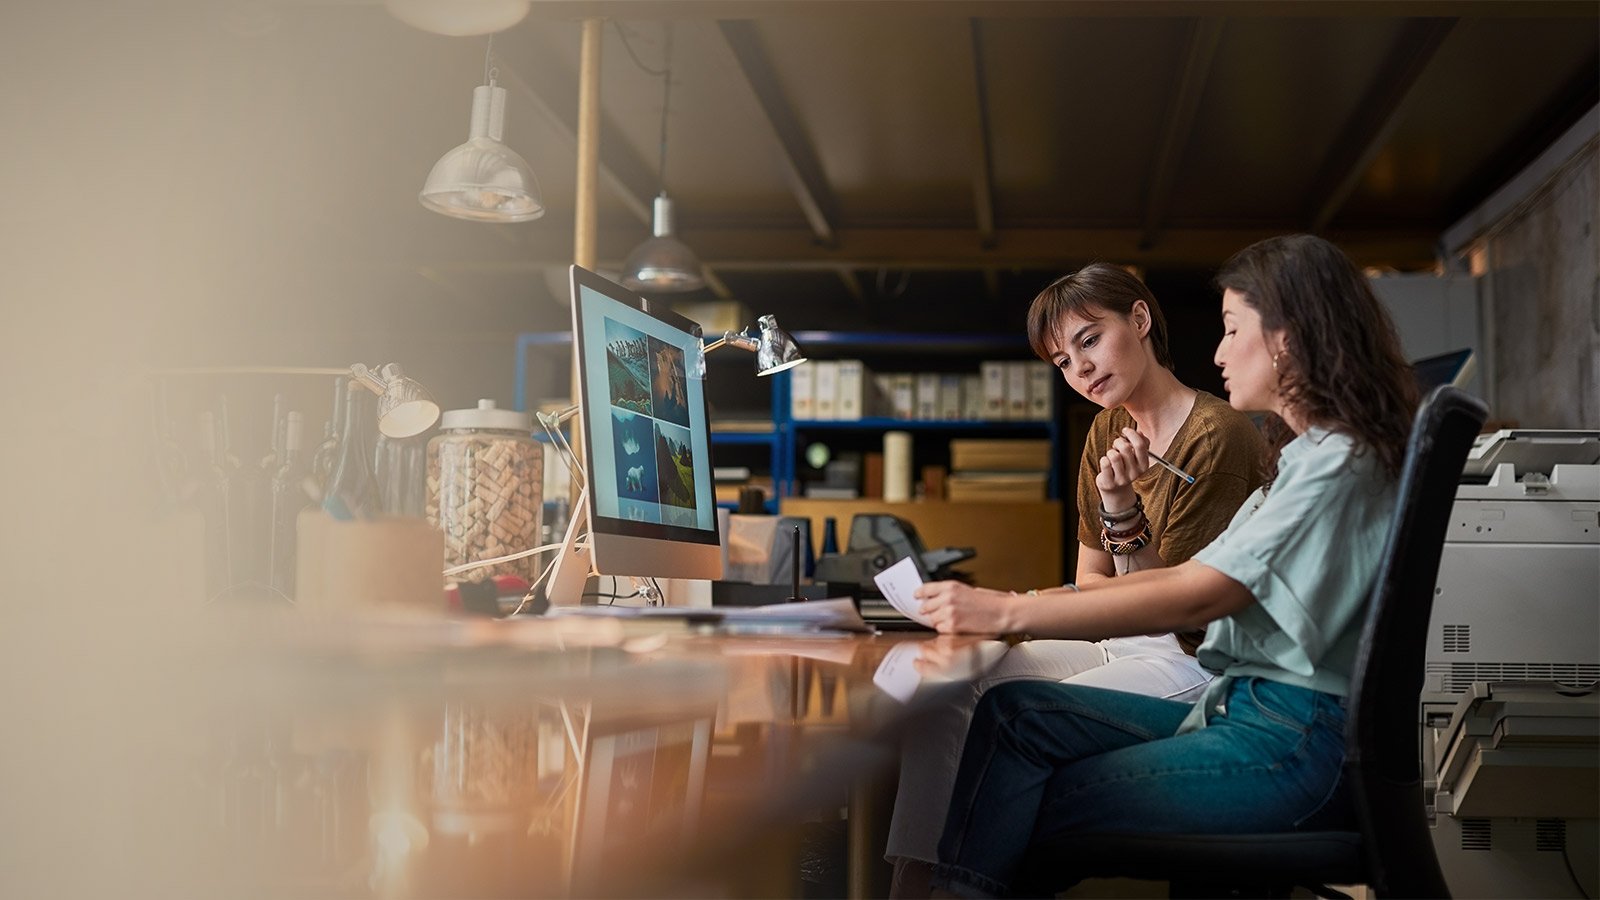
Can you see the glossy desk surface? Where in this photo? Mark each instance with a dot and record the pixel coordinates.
(543, 757)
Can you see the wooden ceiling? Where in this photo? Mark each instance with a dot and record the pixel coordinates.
(834, 153)
(844, 163)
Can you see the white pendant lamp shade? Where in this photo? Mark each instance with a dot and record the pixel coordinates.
(484, 180)
(458, 18)
(662, 264)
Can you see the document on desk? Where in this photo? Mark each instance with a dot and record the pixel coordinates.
(897, 675)
(815, 616)
(899, 584)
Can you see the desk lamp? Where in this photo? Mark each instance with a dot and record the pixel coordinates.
(775, 350)
(405, 409)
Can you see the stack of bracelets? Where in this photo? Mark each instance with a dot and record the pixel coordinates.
(1126, 532)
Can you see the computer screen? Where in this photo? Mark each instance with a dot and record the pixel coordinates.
(647, 440)
(1453, 368)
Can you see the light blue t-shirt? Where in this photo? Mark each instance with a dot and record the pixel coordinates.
(1308, 550)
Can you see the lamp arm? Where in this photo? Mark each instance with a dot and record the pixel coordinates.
(364, 377)
(734, 338)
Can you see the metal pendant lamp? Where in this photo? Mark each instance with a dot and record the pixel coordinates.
(483, 180)
(663, 264)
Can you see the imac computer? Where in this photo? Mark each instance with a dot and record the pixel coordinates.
(647, 498)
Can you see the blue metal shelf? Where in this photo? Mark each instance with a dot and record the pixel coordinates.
(784, 436)
(876, 422)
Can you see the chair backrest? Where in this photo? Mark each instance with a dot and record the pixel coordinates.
(1383, 740)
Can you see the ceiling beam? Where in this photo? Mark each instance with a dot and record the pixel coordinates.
(806, 178)
(557, 99)
(1375, 118)
(983, 174)
(1186, 94)
(734, 249)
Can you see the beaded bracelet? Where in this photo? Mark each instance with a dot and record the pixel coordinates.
(1129, 546)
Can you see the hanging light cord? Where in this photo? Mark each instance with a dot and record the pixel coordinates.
(488, 62)
(664, 73)
(666, 98)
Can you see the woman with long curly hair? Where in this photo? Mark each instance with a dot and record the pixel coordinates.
(1281, 592)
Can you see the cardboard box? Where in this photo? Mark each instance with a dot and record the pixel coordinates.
(996, 487)
(383, 565)
(999, 455)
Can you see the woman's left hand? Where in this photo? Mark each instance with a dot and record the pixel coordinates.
(956, 608)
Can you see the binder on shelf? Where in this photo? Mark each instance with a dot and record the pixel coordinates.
(880, 399)
(1016, 390)
(850, 389)
(993, 374)
(949, 397)
(927, 396)
(827, 388)
(1040, 377)
(803, 391)
(903, 394)
(972, 397)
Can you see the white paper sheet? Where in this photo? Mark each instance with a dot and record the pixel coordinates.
(899, 583)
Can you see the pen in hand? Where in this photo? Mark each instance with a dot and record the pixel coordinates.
(1173, 469)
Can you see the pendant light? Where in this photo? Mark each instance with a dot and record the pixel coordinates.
(483, 180)
(663, 264)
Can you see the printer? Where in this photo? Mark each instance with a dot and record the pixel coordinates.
(1510, 710)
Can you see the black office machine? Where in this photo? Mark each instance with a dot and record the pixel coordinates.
(878, 541)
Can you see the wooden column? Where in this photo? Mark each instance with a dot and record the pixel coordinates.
(585, 215)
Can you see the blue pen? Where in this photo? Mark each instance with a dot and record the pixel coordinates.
(1173, 469)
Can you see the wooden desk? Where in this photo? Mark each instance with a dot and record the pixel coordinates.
(544, 758)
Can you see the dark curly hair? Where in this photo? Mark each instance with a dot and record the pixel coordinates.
(1093, 288)
(1342, 367)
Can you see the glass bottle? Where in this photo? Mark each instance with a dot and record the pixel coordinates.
(352, 492)
(211, 498)
(327, 452)
(288, 499)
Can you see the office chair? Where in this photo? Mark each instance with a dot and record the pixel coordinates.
(1392, 852)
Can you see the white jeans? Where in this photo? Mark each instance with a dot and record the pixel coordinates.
(1156, 666)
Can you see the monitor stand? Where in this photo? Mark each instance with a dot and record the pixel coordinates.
(574, 563)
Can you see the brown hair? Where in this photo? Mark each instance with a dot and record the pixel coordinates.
(1093, 288)
(1342, 367)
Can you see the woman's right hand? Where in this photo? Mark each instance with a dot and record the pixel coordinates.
(1127, 459)
(957, 608)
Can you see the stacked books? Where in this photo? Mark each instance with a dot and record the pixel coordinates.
(846, 390)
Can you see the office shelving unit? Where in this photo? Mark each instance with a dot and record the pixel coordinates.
(884, 350)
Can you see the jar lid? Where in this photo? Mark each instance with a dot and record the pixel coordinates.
(487, 416)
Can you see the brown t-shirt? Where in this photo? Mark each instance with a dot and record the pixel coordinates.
(1216, 444)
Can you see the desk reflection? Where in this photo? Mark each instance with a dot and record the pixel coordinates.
(546, 758)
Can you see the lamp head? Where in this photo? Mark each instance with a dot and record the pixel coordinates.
(483, 180)
(405, 408)
(776, 349)
(662, 264)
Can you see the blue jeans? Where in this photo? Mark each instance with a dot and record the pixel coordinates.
(1042, 759)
